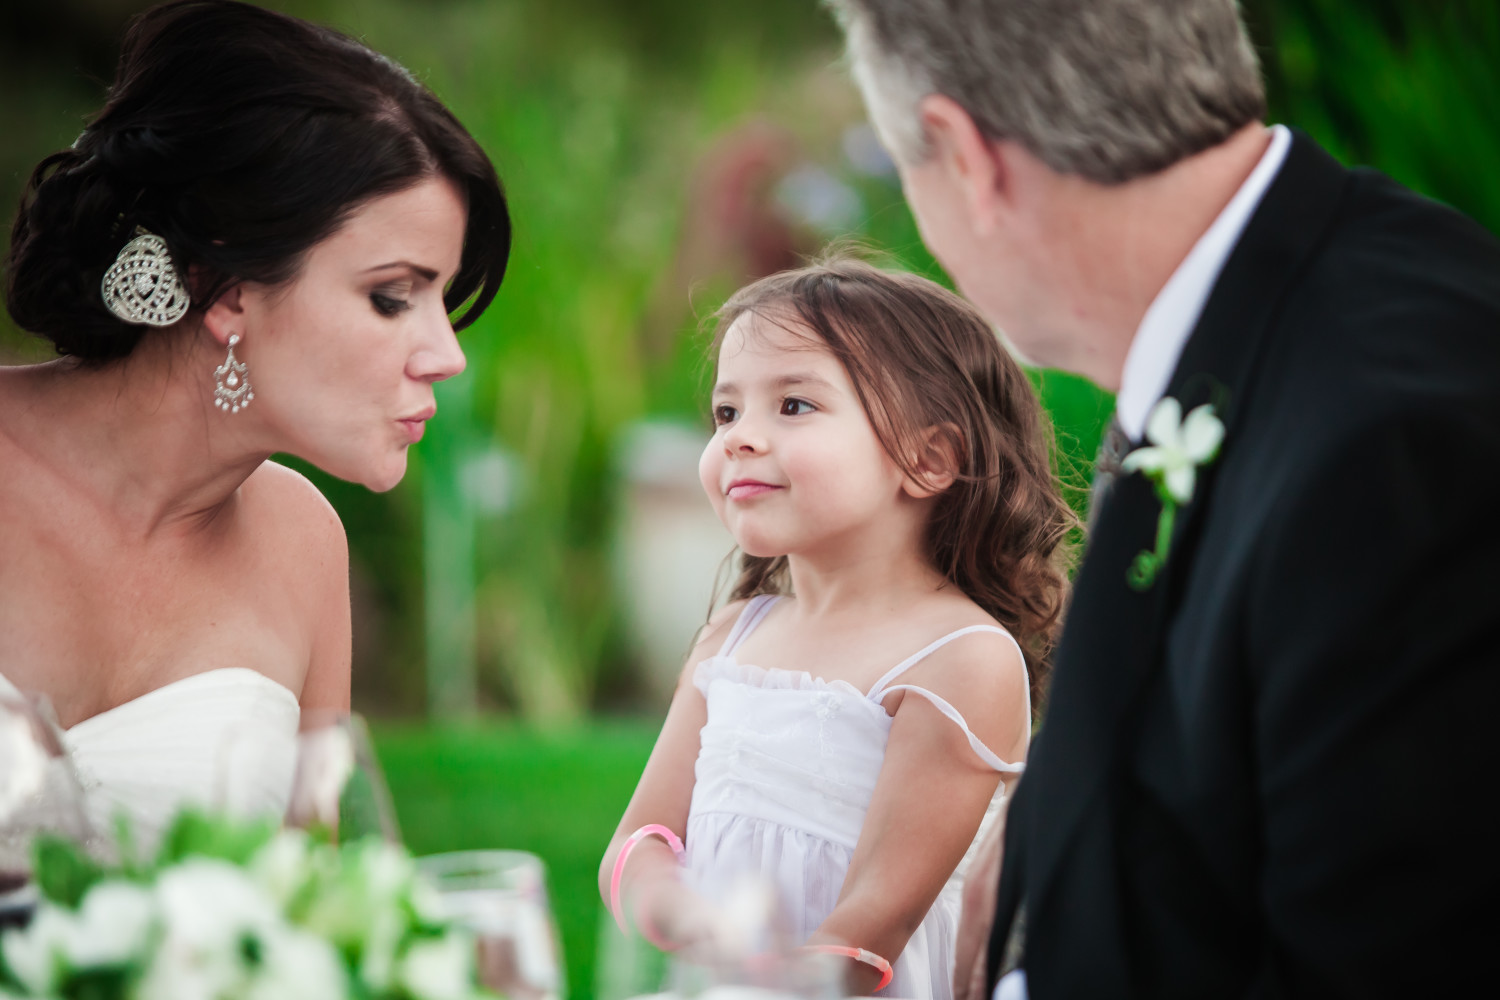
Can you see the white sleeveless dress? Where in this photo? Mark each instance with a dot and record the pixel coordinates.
(224, 739)
(786, 770)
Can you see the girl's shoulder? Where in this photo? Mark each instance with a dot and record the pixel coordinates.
(721, 623)
(713, 635)
(973, 673)
(969, 655)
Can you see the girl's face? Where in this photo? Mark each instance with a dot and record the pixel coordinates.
(343, 360)
(794, 464)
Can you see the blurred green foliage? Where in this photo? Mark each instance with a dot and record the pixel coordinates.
(605, 120)
(557, 793)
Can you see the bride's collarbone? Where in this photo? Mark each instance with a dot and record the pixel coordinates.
(96, 662)
(94, 618)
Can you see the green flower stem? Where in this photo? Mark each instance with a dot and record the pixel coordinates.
(1164, 529)
(1147, 565)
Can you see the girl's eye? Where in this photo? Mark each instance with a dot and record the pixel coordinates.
(725, 414)
(385, 305)
(791, 407)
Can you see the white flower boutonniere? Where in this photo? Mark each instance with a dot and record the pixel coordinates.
(1178, 449)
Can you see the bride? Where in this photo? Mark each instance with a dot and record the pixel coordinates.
(254, 248)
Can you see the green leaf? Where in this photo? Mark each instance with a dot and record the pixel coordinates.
(197, 834)
(98, 984)
(64, 871)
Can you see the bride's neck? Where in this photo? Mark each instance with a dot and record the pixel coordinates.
(142, 434)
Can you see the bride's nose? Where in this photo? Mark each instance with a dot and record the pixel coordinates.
(437, 356)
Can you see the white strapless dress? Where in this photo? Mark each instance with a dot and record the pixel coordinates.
(225, 739)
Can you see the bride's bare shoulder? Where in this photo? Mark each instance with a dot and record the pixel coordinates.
(286, 505)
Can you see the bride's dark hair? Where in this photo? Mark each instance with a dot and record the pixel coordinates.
(242, 137)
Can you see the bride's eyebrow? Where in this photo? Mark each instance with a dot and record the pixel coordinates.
(425, 272)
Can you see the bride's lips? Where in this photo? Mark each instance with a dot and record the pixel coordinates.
(415, 424)
(746, 489)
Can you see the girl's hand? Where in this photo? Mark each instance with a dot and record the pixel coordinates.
(674, 917)
(727, 932)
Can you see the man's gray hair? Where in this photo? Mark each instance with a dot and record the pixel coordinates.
(1107, 89)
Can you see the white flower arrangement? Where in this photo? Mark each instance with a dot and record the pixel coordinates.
(236, 912)
(1179, 448)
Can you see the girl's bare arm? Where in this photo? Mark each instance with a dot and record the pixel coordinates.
(930, 799)
(665, 791)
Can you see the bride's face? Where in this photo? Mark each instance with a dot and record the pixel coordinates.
(342, 361)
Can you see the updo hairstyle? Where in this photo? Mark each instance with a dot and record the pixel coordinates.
(242, 137)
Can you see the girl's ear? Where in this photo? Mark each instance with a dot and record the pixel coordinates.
(225, 317)
(937, 463)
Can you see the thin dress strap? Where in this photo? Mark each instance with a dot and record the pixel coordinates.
(755, 610)
(884, 687)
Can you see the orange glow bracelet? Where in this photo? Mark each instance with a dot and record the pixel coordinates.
(869, 958)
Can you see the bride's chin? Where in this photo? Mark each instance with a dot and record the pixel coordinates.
(387, 478)
(377, 473)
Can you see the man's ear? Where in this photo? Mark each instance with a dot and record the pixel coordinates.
(225, 317)
(977, 164)
(937, 462)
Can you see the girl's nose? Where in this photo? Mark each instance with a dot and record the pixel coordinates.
(742, 438)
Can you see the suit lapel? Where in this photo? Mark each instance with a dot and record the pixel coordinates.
(1114, 636)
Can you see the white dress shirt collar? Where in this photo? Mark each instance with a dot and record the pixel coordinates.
(1165, 328)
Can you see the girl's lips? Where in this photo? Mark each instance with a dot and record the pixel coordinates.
(747, 490)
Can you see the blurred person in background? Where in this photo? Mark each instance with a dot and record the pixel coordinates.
(255, 247)
(1262, 763)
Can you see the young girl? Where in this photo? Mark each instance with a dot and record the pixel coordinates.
(845, 725)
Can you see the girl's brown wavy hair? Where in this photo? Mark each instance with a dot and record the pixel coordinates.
(920, 357)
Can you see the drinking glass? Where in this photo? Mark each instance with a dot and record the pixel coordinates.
(501, 897)
(626, 965)
(338, 783)
(743, 950)
(39, 793)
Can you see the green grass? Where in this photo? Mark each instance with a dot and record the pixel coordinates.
(497, 785)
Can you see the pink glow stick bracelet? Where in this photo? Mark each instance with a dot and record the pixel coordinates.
(869, 958)
(649, 830)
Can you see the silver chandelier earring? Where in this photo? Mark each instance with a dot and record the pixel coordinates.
(142, 286)
(231, 383)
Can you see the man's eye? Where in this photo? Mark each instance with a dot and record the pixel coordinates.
(791, 407)
(385, 305)
(725, 414)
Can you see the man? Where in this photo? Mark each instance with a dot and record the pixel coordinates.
(1267, 759)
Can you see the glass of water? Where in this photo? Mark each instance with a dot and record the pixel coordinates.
(501, 897)
(339, 785)
(39, 794)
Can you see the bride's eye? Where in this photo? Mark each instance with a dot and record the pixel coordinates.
(793, 407)
(387, 305)
(725, 414)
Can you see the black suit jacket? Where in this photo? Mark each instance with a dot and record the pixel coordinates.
(1273, 773)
